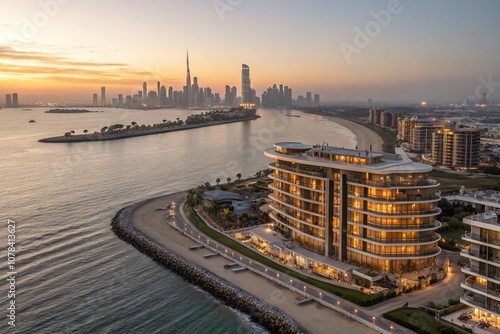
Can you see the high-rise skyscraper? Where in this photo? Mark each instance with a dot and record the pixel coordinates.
(103, 95)
(120, 99)
(163, 96)
(316, 100)
(15, 100)
(158, 88)
(8, 101)
(144, 90)
(246, 89)
(95, 99)
(188, 82)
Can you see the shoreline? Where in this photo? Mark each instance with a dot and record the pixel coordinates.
(105, 137)
(260, 312)
(152, 226)
(364, 135)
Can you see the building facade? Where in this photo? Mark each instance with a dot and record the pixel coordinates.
(246, 89)
(482, 282)
(421, 136)
(369, 209)
(458, 148)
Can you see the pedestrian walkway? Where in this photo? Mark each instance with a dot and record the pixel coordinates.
(326, 299)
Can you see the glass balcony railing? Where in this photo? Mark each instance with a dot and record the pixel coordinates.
(435, 211)
(317, 199)
(415, 198)
(293, 215)
(428, 253)
(434, 238)
(390, 183)
(293, 225)
(432, 226)
(289, 201)
(298, 183)
(275, 165)
(486, 239)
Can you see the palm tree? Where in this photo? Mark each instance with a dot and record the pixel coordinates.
(104, 128)
(72, 132)
(217, 180)
(134, 123)
(164, 121)
(228, 180)
(224, 214)
(207, 185)
(85, 131)
(194, 197)
(214, 206)
(238, 176)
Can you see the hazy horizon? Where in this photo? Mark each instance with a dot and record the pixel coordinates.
(399, 51)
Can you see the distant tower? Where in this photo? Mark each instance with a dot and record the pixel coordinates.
(308, 99)
(103, 95)
(316, 100)
(484, 98)
(8, 101)
(144, 90)
(95, 99)
(188, 81)
(246, 89)
(15, 100)
(370, 101)
(158, 88)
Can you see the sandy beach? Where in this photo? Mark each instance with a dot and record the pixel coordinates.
(364, 136)
(313, 317)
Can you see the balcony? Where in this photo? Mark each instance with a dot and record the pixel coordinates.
(396, 184)
(470, 282)
(308, 232)
(397, 213)
(293, 215)
(426, 240)
(396, 228)
(404, 199)
(307, 210)
(307, 185)
(429, 253)
(296, 170)
(298, 195)
(472, 237)
(474, 300)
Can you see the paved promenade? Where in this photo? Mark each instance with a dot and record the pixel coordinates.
(314, 316)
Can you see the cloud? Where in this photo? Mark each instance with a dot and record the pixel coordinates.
(7, 52)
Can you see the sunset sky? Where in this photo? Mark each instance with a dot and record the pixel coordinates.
(65, 50)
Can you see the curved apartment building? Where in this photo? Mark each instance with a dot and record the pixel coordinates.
(374, 210)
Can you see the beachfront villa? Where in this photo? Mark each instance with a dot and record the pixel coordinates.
(347, 209)
(482, 283)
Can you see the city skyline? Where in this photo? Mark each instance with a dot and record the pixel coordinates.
(385, 50)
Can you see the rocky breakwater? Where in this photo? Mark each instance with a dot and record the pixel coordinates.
(260, 312)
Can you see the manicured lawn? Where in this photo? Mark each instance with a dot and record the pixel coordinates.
(418, 321)
(451, 183)
(455, 235)
(354, 296)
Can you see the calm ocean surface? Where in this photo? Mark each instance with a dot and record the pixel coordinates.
(74, 275)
